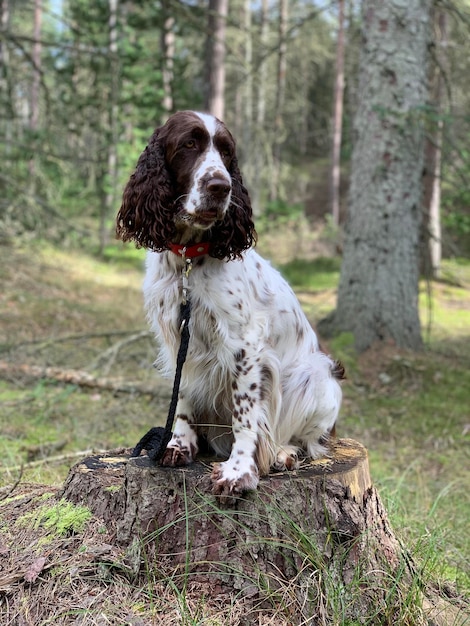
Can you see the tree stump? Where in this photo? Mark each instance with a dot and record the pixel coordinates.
(322, 526)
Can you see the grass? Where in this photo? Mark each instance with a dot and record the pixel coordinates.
(410, 410)
(59, 518)
(314, 275)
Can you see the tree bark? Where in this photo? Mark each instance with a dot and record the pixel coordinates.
(432, 236)
(260, 134)
(4, 24)
(378, 291)
(215, 102)
(246, 136)
(5, 94)
(321, 524)
(36, 82)
(113, 128)
(274, 191)
(168, 53)
(37, 48)
(335, 177)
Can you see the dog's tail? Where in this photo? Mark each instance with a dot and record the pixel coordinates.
(338, 371)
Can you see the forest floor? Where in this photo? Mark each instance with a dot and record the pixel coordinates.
(76, 375)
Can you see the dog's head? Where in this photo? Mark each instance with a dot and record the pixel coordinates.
(187, 188)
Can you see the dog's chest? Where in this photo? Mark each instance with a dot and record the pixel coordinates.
(220, 313)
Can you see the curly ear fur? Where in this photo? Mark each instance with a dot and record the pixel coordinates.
(146, 213)
(236, 232)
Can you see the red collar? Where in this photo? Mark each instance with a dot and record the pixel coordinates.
(190, 252)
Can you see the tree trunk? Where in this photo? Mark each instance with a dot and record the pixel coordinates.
(113, 130)
(432, 237)
(36, 82)
(260, 135)
(246, 137)
(5, 92)
(215, 59)
(37, 47)
(320, 526)
(378, 291)
(4, 25)
(279, 104)
(434, 215)
(168, 53)
(335, 177)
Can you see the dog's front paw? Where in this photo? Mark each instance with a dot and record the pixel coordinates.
(175, 456)
(230, 480)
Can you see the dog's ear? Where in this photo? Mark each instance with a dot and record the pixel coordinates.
(146, 213)
(236, 232)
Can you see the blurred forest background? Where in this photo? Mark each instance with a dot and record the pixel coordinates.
(83, 84)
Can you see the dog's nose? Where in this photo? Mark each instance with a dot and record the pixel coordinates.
(219, 187)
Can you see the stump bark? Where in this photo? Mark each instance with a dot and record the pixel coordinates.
(322, 526)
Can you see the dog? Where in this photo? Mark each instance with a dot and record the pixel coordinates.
(255, 386)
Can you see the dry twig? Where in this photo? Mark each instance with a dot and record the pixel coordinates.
(14, 372)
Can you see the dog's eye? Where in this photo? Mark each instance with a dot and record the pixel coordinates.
(190, 144)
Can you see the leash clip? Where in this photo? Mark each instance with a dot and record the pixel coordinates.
(187, 267)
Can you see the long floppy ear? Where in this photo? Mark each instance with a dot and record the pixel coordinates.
(145, 216)
(236, 232)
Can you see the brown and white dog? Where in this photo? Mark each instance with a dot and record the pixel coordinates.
(255, 385)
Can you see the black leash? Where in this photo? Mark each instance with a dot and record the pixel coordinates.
(157, 438)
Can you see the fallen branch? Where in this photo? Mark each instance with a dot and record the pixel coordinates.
(12, 372)
(109, 356)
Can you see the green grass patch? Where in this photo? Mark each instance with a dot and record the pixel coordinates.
(121, 255)
(58, 517)
(313, 275)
